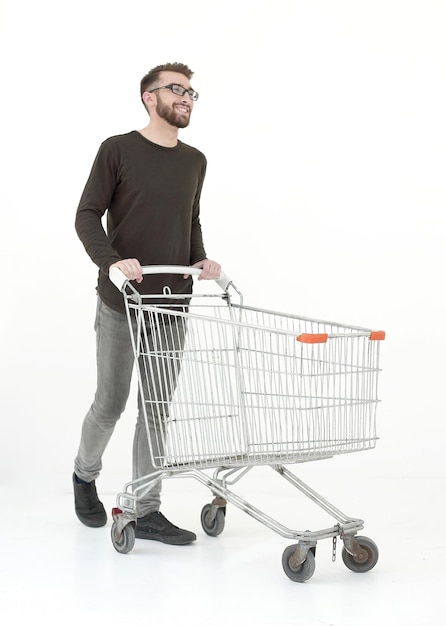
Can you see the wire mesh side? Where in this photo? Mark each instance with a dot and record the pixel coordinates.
(232, 386)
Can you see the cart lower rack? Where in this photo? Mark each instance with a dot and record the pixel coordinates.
(226, 387)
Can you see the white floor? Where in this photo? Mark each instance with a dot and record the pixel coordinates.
(58, 571)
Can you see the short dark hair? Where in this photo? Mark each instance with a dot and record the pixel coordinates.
(151, 77)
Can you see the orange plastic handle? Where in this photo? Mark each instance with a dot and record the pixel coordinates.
(313, 338)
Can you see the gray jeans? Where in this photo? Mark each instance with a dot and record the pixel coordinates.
(115, 359)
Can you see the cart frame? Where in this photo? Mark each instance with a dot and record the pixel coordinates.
(335, 400)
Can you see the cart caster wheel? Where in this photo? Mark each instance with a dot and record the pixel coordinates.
(212, 527)
(302, 572)
(366, 560)
(127, 539)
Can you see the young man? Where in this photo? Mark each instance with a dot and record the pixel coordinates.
(149, 183)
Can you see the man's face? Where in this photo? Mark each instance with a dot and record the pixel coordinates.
(172, 108)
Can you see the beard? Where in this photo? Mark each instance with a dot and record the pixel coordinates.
(168, 113)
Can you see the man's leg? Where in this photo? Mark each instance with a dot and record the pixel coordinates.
(114, 356)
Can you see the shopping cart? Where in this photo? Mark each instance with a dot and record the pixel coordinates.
(229, 387)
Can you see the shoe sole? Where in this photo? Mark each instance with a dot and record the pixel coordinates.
(91, 523)
(174, 541)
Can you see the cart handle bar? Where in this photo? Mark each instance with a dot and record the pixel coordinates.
(119, 279)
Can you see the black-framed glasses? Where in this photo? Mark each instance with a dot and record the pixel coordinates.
(178, 90)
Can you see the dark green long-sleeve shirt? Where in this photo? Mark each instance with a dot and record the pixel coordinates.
(152, 198)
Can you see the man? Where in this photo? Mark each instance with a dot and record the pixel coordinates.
(149, 183)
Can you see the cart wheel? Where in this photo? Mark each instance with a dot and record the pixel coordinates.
(304, 571)
(212, 527)
(127, 540)
(366, 560)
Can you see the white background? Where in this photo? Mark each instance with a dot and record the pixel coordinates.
(325, 131)
(324, 127)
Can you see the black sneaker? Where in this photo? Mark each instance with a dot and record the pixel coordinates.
(88, 507)
(155, 526)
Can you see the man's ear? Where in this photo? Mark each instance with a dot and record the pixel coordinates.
(148, 99)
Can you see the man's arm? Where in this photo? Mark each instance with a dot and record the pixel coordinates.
(197, 251)
(93, 204)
